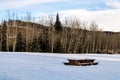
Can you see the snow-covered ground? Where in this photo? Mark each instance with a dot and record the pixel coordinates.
(47, 66)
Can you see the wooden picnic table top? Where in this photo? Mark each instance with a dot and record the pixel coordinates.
(80, 59)
(81, 62)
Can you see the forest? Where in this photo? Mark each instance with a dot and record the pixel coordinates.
(70, 36)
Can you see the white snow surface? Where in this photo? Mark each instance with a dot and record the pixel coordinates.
(49, 66)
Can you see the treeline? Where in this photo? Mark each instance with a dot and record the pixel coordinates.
(70, 37)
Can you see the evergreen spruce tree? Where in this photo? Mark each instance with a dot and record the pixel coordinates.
(20, 44)
(34, 46)
(44, 45)
(4, 36)
(58, 29)
(58, 47)
(58, 26)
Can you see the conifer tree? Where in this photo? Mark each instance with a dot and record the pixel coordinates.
(58, 26)
(34, 46)
(20, 44)
(44, 45)
(4, 36)
(58, 47)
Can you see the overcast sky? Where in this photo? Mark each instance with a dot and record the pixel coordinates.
(106, 13)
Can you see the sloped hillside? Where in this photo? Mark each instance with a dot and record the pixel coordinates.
(72, 39)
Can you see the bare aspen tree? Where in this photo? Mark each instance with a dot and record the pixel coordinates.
(7, 34)
(15, 35)
(107, 43)
(51, 33)
(84, 37)
(71, 37)
(99, 41)
(8, 26)
(64, 36)
(93, 28)
(52, 39)
(33, 30)
(15, 31)
(78, 36)
(28, 18)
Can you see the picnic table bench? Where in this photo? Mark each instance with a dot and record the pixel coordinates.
(81, 62)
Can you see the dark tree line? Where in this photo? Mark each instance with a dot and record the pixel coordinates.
(4, 37)
(58, 38)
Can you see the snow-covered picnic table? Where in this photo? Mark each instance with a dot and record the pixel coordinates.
(81, 62)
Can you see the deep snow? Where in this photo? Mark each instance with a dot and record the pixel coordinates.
(48, 66)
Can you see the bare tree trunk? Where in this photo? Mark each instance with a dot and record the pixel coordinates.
(51, 34)
(15, 36)
(28, 16)
(78, 37)
(8, 25)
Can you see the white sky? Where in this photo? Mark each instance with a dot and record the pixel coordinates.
(106, 13)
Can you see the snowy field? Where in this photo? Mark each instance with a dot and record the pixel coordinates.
(47, 66)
